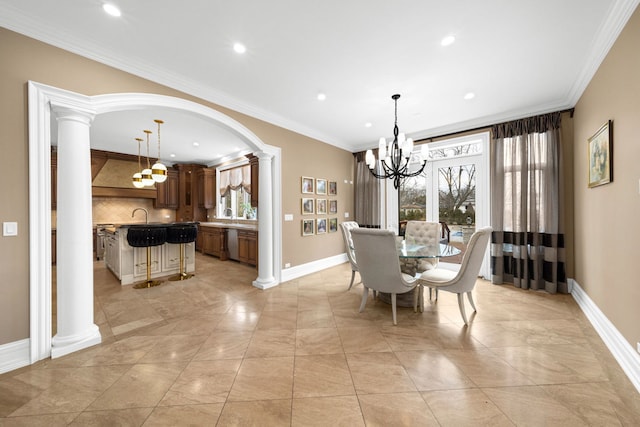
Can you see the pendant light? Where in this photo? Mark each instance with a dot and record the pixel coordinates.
(158, 170)
(137, 177)
(147, 179)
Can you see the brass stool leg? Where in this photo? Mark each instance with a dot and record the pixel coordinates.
(182, 275)
(148, 283)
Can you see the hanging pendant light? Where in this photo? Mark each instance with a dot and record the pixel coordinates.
(158, 170)
(395, 161)
(137, 177)
(147, 179)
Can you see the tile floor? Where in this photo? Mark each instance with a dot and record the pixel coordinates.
(214, 350)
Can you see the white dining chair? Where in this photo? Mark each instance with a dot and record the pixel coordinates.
(463, 281)
(346, 227)
(379, 266)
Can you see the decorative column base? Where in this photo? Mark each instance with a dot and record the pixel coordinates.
(61, 346)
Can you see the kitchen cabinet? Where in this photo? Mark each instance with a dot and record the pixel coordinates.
(255, 174)
(248, 246)
(140, 261)
(54, 180)
(214, 242)
(188, 207)
(167, 192)
(112, 253)
(206, 178)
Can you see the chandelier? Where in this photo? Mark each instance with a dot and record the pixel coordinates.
(395, 160)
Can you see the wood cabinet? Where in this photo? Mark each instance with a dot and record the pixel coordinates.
(54, 180)
(167, 192)
(188, 207)
(255, 174)
(214, 242)
(206, 179)
(248, 246)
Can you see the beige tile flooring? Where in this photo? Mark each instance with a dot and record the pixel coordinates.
(213, 350)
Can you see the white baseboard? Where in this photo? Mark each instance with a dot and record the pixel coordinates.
(14, 355)
(312, 267)
(622, 351)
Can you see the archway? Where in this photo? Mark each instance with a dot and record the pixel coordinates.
(46, 102)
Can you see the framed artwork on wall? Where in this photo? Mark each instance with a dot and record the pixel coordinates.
(322, 226)
(333, 206)
(308, 205)
(321, 206)
(333, 188)
(600, 153)
(308, 226)
(321, 186)
(333, 225)
(308, 185)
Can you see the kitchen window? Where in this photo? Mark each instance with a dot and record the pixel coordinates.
(234, 193)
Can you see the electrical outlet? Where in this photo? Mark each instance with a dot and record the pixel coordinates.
(287, 265)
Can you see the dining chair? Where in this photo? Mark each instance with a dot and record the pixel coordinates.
(421, 233)
(379, 266)
(462, 281)
(346, 227)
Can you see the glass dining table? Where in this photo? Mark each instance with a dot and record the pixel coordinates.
(410, 254)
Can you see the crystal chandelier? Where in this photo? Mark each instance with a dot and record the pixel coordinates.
(395, 160)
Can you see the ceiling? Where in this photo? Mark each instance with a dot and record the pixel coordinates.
(519, 58)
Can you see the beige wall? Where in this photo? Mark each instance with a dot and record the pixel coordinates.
(607, 225)
(25, 59)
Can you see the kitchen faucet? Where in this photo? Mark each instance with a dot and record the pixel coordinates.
(146, 214)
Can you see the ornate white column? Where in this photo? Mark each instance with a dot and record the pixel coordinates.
(75, 327)
(265, 224)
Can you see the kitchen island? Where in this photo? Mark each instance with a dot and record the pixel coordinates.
(129, 264)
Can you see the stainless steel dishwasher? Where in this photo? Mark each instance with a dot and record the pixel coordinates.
(232, 242)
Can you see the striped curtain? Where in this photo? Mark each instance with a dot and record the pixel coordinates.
(527, 245)
(367, 195)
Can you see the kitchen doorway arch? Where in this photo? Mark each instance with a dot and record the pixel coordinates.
(42, 99)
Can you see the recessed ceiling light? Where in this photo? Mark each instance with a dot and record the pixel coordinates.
(448, 40)
(469, 95)
(111, 9)
(196, 144)
(322, 96)
(367, 125)
(239, 48)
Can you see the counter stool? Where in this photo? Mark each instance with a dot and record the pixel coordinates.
(182, 234)
(146, 237)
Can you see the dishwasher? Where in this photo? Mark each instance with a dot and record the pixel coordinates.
(232, 243)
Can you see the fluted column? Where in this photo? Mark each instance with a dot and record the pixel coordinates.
(75, 328)
(265, 224)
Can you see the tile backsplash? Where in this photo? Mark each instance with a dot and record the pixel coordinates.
(117, 210)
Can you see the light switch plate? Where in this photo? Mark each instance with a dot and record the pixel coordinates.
(9, 228)
(288, 217)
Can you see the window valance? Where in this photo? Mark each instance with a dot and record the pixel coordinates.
(235, 179)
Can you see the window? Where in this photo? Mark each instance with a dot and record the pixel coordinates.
(234, 192)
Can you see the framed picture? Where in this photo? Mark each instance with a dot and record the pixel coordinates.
(321, 206)
(308, 227)
(308, 205)
(308, 185)
(333, 188)
(322, 226)
(321, 186)
(333, 225)
(600, 152)
(333, 206)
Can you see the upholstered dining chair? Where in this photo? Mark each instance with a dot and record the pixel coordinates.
(421, 233)
(379, 266)
(346, 227)
(463, 281)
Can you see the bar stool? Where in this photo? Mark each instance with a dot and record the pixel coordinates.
(182, 234)
(146, 237)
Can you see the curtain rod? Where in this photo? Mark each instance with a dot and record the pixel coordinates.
(431, 138)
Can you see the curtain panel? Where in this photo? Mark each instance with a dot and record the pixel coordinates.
(367, 195)
(527, 245)
(234, 179)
